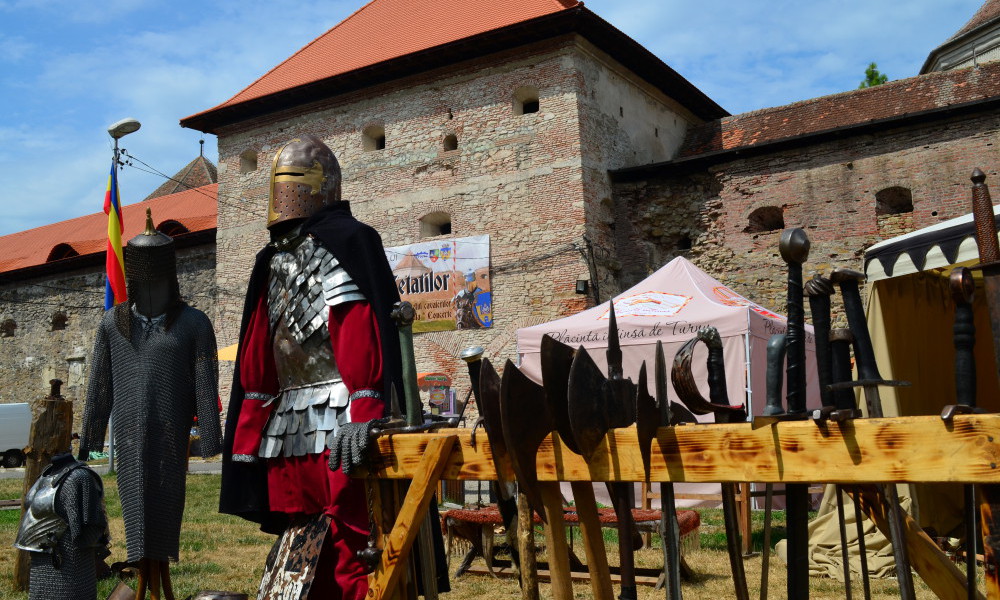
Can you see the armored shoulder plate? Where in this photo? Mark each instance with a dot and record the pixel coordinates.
(41, 526)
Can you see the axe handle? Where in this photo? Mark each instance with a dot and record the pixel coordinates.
(555, 541)
(593, 540)
(671, 535)
(775, 374)
(626, 545)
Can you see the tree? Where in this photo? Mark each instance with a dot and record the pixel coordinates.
(873, 77)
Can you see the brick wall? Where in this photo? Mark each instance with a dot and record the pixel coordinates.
(535, 182)
(35, 353)
(827, 189)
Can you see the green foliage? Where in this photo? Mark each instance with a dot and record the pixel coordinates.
(873, 77)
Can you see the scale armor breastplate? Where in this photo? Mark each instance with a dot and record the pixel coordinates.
(41, 526)
(304, 282)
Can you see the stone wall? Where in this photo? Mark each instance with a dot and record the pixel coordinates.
(36, 353)
(534, 182)
(828, 189)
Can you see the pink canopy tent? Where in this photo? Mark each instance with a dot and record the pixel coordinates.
(669, 306)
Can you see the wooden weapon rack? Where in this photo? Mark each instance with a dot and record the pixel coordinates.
(922, 449)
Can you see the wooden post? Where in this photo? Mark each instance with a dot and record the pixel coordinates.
(51, 434)
(989, 523)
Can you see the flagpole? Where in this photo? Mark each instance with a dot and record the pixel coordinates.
(116, 131)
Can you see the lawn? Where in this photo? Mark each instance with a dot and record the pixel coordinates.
(218, 552)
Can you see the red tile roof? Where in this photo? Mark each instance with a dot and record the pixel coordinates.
(195, 209)
(894, 99)
(385, 29)
(989, 11)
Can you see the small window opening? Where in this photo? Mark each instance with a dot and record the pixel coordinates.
(435, 223)
(450, 115)
(248, 162)
(656, 132)
(61, 251)
(621, 111)
(765, 218)
(893, 201)
(684, 243)
(7, 328)
(373, 138)
(450, 142)
(58, 320)
(526, 100)
(172, 228)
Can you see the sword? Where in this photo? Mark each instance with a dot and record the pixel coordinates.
(870, 381)
(989, 253)
(794, 249)
(843, 399)
(962, 288)
(668, 503)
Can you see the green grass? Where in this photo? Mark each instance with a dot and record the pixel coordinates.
(219, 552)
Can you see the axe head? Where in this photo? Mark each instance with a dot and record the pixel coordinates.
(687, 388)
(589, 416)
(647, 420)
(489, 408)
(526, 422)
(557, 358)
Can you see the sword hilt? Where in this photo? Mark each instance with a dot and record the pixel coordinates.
(473, 357)
(775, 374)
(794, 249)
(819, 289)
(840, 368)
(849, 281)
(404, 314)
(962, 289)
(986, 228)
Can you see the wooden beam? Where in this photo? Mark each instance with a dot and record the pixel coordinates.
(383, 581)
(900, 449)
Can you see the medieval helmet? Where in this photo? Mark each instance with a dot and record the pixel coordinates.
(305, 177)
(151, 267)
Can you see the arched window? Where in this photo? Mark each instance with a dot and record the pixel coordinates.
(893, 201)
(450, 142)
(526, 100)
(58, 320)
(7, 328)
(435, 223)
(61, 251)
(765, 218)
(373, 138)
(248, 162)
(172, 228)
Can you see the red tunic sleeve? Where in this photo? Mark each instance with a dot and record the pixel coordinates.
(260, 384)
(358, 352)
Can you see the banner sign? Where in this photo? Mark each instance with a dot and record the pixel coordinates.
(447, 282)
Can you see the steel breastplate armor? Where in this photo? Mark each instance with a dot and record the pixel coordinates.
(305, 281)
(41, 526)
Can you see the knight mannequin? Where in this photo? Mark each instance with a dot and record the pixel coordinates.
(154, 369)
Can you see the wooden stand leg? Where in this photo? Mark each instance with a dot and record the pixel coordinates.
(526, 547)
(168, 587)
(154, 579)
(385, 577)
(140, 587)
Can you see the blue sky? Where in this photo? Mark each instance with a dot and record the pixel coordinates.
(69, 69)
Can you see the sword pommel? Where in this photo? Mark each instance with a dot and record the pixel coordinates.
(962, 285)
(794, 246)
(819, 286)
(403, 314)
(841, 275)
(472, 354)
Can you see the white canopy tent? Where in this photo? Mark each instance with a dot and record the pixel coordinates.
(670, 306)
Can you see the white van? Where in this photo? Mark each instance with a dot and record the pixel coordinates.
(15, 425)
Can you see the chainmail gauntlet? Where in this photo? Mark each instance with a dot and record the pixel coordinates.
(350, 446)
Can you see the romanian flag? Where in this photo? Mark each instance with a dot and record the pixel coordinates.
(114, 289)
